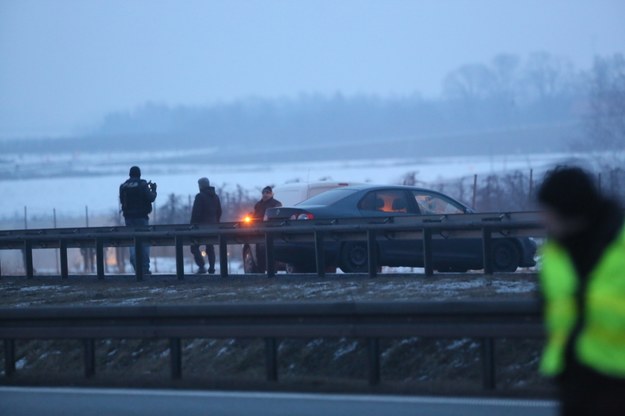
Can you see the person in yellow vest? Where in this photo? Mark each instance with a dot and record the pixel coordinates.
(583, 284)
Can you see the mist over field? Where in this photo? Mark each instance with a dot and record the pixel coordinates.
(261, 93)
(509, 105)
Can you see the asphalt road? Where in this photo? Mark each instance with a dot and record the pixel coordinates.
(19, 401)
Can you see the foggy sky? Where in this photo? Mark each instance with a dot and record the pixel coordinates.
(66, 63)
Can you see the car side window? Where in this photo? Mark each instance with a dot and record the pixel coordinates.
(391, 201)
(432, 204)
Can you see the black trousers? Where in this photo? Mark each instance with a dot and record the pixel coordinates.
(585, 392)
(199, 259)
(261, 259)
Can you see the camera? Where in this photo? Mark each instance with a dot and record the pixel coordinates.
(152, 186)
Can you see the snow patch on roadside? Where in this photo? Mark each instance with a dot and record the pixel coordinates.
(21, 363)
(39, 288)
(514, 286)
(351, 347)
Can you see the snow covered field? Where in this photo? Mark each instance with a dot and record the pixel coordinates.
(98, 186)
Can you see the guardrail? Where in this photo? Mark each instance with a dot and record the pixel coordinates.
(370, 230)
(484, 320)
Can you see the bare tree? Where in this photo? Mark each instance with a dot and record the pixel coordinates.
(606, 118)
(469, 83)
(548, 77)
(505, 69)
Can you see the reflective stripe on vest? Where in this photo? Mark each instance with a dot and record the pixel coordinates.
(601, 343)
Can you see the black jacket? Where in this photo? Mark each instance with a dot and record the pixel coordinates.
(262, 206)
(136, 198)
(206, 207)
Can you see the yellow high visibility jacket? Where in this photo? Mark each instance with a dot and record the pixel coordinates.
(601, 342)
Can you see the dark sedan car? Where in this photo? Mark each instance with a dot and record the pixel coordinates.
(368, 201)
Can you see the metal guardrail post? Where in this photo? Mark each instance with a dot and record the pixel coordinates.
(320, 255)
(373, 350)
(372, 253)
(63, 259)
(179, 258)
(175, 355)
(427, 252)
(28, 258)
(487, 249)
(488, 363)
(269, 255)
(99, 252)
(271, 359)
(223, 256)
(89, 357)
(139, 259)
(9, 357)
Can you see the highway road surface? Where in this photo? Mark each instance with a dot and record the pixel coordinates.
(26, 401)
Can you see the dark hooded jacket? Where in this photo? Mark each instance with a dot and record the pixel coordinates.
(262, 206)
(206, 207)
(136, 198)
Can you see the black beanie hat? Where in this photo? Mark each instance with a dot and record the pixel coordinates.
(135, 172)
(571, 192)
(267, 189)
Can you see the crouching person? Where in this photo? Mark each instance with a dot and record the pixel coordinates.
(206, 210)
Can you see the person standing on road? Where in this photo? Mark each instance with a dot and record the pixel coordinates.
(267, 201)
(136, 197)
(206, 210)
(583, 283)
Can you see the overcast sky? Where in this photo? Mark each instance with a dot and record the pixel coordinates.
(66, 63)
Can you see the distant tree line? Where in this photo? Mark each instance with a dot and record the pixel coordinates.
(508, 92)
(544, 89)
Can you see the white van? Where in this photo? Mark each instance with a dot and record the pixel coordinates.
(288, 195)
(292, 194)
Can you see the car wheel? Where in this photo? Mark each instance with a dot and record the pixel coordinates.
(355, 258)
(249, 265)
(505, 256)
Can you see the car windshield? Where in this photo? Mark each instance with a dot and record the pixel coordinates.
(328, 198)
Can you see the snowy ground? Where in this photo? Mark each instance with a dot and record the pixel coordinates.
(165, 289)
(97, 186)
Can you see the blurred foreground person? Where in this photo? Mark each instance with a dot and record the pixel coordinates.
(583, 283)
(206, 210)
(136, 197)
(267, 201)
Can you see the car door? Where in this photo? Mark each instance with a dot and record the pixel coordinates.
(453, 253)
(393, 203)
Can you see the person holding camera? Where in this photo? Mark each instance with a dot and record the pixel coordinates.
(206, 210)
(136, 197)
